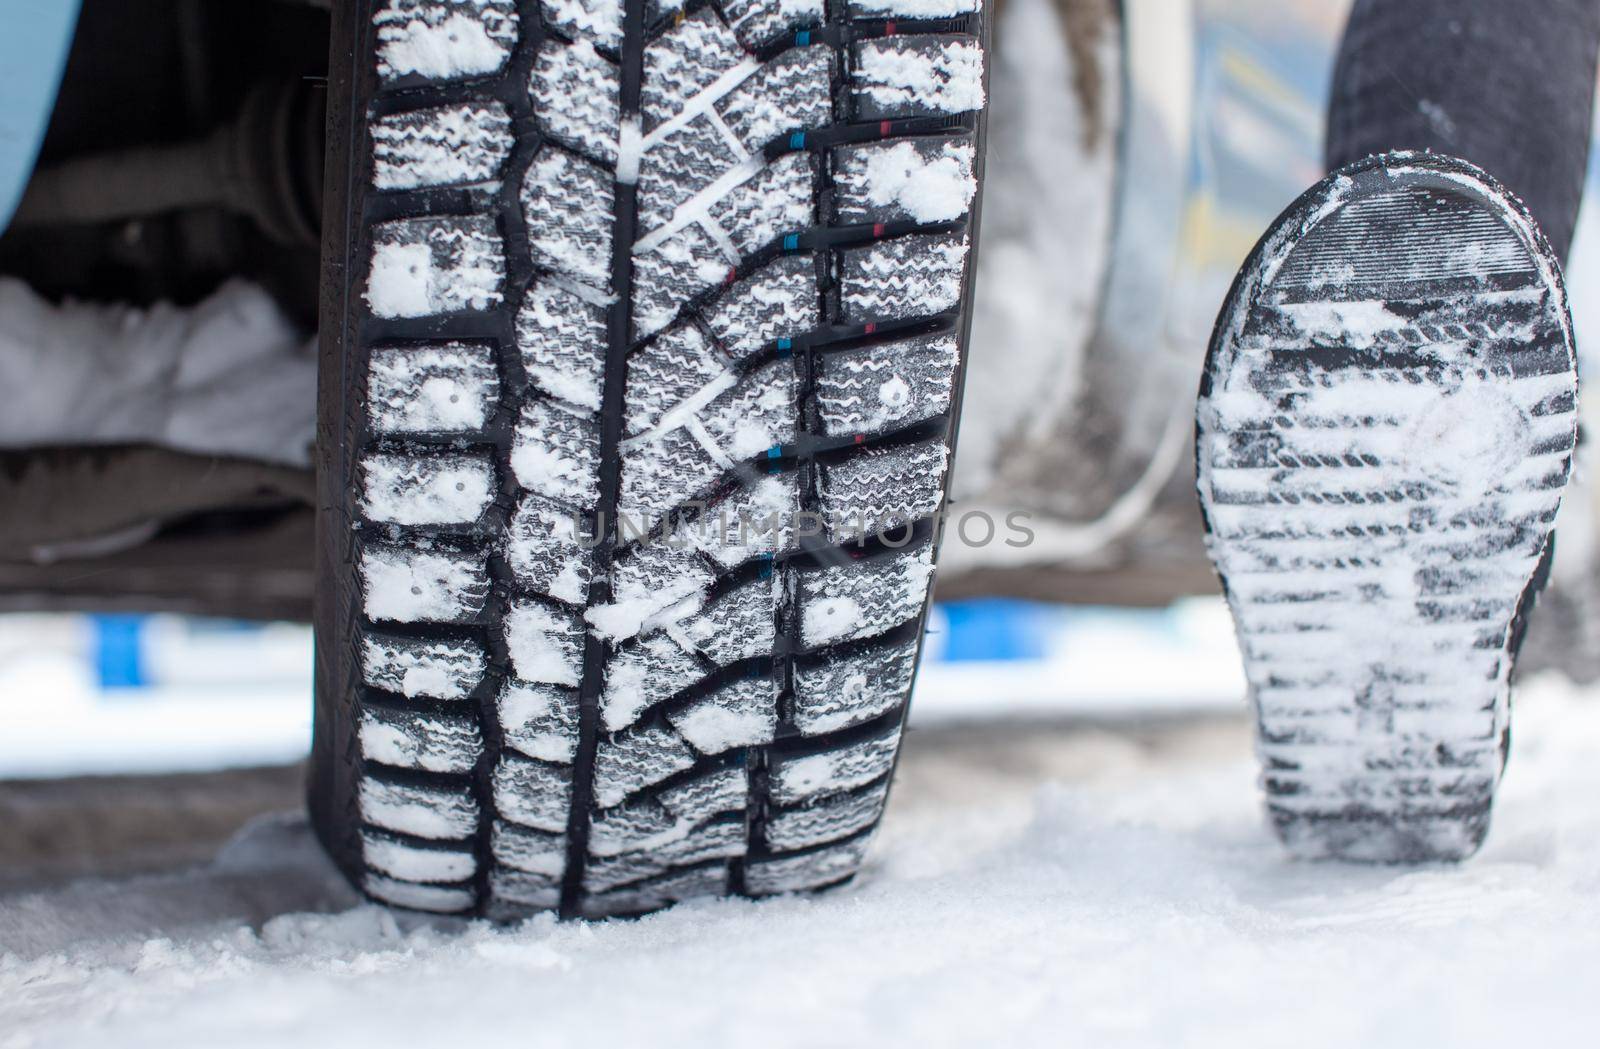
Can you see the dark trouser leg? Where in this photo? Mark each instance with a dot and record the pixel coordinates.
(1507, 85)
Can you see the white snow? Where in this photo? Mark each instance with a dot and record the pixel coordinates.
(1121, 899)
(519, 706)
(599, 19)
(935, 189)
(630, 149)
(832, 618)
(399, 283)
(541, 640)
(712, 729)
(453, 46)
(796, 11)
(229, 376)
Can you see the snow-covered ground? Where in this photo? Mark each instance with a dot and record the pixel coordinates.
(1038, 882)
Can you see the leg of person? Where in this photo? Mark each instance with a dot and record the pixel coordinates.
(1387, 418)
(1508, 87)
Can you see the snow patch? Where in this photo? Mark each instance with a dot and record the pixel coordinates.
(930, 189)
(442, 40)
(543, 644)
(229, 376)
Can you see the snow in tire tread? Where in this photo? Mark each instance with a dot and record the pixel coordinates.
(605, 270)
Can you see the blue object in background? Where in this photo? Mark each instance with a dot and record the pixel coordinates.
(997, 628)
(119, 650)
(34, 38)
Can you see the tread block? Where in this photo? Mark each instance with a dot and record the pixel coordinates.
(780, 300)
(655, 585)
(685, 163)
(426, 489)
(562, 340)
(776, 201)
(442, 264)
(636, 759)
(721, 840)
(660, 475)
(568, 210)
(788, 830)
(758, 21)
(797, 778)
(916, 76)
(604, 873)
(657, 892)
(532, 793)
(683, 62)
(911, 180)
(426, 742)
(546, 643)
(793, 92)
(415, 863)
(574, 92)
(669, 372)
(667, 468)
(634, 827)
(754, 520)
(642, 675)
(550, 548)
(540, 721)
(844, 689)
(743, 714)
(528, 850)
(863, 599)
(667, 277)
(456, 145)
(757, 414)
(412, 668)
(912, 276)
(739, 624)
(444, 39)
(415, 584)
(879, 490)
(440, 899)
(438, 813)
(810, 870)
(725, 790)
(598, 21)
(873, 389)
(556, 453)
(538, 891)
(440, 389)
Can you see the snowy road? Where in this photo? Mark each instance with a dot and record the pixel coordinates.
(1045, 883)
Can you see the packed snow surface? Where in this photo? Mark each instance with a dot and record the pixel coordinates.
(1080, 892)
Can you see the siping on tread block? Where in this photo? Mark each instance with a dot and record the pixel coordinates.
(1385, 428)
(635, 288)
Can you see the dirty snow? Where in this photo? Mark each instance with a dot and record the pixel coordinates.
(1103, 892)
(229, 376)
